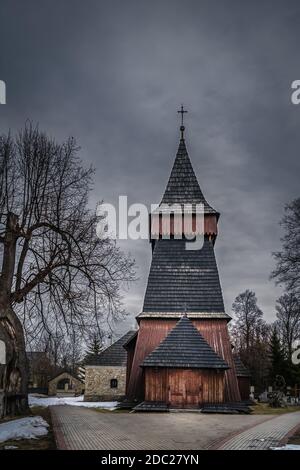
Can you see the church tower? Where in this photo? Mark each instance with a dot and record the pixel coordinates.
(183, 311)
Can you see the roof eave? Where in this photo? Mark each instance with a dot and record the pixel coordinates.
(185, 366)
(191, 315)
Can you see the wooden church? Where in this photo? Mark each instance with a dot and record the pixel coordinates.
(181, 355)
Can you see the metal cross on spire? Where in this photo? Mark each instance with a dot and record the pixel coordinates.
(182, 111)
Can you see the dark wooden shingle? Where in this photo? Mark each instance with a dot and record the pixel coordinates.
(114, 355)
(185, 347)
(183, 280)
(183, 187)
(240, 369)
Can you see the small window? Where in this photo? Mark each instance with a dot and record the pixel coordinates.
(114, 383)
(63, 384)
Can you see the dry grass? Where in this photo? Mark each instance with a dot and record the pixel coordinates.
(103, 410)
(295, 439)
(42, 443)
(265, 409)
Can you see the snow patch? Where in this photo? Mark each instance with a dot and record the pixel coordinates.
(73, 401)
(24, 428)
(287, 447)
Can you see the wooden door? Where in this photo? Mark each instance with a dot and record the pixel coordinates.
(193, 388)
(185, 388)
(176, 389)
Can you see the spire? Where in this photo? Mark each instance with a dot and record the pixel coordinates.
(183, 187)
(182, 128)
(182, 280)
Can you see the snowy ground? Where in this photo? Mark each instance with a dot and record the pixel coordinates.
(287, 447)
(24, 428)
(74, 401)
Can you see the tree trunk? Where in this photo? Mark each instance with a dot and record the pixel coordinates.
(14, 373)
(14, 368)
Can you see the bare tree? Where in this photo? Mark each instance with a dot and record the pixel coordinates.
(247, 319)
(73, 354)
(250, 333)
(288, 321)
(287, 270)
(54, 267)
(53, 344)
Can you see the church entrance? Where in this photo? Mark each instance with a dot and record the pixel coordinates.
(185, 388)
(184, 371)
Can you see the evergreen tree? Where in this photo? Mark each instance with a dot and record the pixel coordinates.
(288, 321)
(278, 363)
(95, 346)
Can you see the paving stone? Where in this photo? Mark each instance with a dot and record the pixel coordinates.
(82, 428)
(264, 435)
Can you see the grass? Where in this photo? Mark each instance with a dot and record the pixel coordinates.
(265, 409)
(103, 410)
(295, 439)
(42, 443)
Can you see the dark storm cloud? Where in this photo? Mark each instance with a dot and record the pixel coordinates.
(114, 73)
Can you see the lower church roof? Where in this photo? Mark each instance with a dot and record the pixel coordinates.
(114, 355)
(185, 347)
(240, 369)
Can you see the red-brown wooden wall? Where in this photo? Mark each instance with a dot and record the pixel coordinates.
(184, 387)
(244, 387)
(153, 331)
(174, 225)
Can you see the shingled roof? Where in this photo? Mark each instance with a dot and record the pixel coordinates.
(184, 347)
(183, 280)
(114, 355)
(183, 187)
(240, 369)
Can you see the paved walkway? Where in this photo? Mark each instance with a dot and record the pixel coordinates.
(82, 428)
(265, 435)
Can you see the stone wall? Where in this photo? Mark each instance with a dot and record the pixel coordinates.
(98, 383)
(76, 387)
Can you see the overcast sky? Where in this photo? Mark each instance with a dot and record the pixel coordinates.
(113, 74)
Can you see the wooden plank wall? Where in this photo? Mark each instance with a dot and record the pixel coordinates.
(153, 331)
(244, 387)
(174, 225)
(184, 387)
(130, 356)
(216, 334)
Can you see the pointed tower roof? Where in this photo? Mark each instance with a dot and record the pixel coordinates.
(180, 277)
(185, 347)
(183, 187)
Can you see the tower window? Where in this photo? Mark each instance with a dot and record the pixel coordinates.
(114, 383)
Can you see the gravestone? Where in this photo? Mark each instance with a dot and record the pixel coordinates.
(2, 352)
(2, 370)
(252, 390)
(263, 397)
